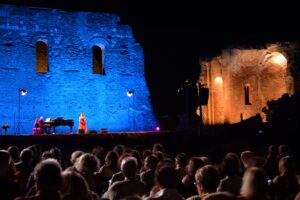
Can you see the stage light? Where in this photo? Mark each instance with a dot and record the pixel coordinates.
(218, 80)
(23, 92)
(278, 58)
(157, 128)
(129, 93)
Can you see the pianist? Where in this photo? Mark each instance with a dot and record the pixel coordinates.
(38, 126)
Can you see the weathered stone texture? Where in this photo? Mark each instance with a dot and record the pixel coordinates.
(70, 87)
(267, 80)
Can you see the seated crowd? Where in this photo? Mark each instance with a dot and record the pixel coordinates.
(151, 174)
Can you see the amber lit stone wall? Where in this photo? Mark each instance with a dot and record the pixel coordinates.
(265, 71)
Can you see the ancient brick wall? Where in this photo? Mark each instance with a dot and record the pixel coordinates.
(70, 86)
(241, 81)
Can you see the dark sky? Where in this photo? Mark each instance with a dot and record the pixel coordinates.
(174, 34)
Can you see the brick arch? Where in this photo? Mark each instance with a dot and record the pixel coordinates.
(273, 78)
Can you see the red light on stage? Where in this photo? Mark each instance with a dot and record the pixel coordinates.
(157, 128)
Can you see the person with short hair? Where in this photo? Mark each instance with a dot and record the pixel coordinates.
(255, 186)
(231, 170)
(166, 180)
(47, 177)
(24, 166)
(129, 186)
(188, 180)
(14, 153)
(8, 189)
(87, 165)
(75, 187)
(148, 175)
(207, 180)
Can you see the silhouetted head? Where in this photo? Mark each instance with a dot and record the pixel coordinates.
(47, 175)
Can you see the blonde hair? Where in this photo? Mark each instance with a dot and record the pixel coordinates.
(255, 184)
(74, 186)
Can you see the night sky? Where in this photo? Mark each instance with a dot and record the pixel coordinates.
(175, 34)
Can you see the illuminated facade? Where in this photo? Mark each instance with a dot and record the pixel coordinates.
(71, 63)
(241, 81)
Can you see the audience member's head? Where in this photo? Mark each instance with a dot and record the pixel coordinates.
(231, 164)
(207, 179)
(137, 155)
(4, 163)
(205, 160)
(159, 155)
(146, 153)
(166, 177)
(245, 156)
(26, 156)
(129, 167)
(46, 155)
(74, 186)
(194, 164)
(150, 162)
(124, 155)
(75, 155)
(87, 163)
(256, 161)
(100, 152)
(283, 151)
(272, 151)
(111, 159)
(56, 153)
(157, 147)
(47, 175)
(181, 160)
(14, 153)
(119, 149)
(287, 167)
(255, 184)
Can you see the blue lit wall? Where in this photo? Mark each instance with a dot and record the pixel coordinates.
(70, 87)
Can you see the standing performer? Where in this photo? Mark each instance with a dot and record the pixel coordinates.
(82, 128)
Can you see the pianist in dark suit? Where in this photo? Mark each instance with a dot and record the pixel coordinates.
(82, 128)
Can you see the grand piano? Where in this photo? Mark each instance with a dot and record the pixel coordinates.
(59, 121)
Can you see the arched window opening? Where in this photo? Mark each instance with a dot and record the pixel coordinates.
(247, 94)
(41, 57)
(98, 66)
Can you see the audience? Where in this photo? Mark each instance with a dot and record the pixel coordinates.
(124, 174)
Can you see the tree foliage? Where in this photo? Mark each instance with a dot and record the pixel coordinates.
(284, 113)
